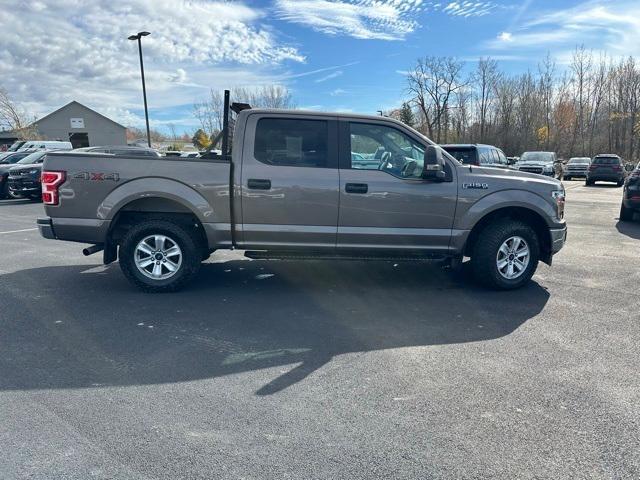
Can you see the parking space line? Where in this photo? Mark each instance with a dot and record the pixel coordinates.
(18, 231)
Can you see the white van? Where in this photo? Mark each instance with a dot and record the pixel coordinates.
(45, 145)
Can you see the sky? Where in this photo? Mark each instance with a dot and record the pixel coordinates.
(333, 55)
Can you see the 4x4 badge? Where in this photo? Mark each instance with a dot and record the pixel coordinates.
(96, 176)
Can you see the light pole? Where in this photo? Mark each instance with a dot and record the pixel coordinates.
(138, 37)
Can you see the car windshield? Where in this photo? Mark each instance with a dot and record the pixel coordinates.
(463, 155)
(606, 161)
(32, 158)
(537, 157)
(13, 158)
(15, 146)
(580, 160)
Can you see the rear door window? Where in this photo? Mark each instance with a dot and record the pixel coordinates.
(291, 142)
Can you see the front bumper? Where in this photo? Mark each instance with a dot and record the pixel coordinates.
(22, 186)
(558, 239)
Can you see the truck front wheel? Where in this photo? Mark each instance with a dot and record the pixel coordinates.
(159, 256)
(505, 255)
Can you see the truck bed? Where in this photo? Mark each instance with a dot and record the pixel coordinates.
(98, 186)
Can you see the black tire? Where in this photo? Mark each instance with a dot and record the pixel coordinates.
(626, 214)
(178, 234)
(620, 183)
(485, 251)
(588, 183)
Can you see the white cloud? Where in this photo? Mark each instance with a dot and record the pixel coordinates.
(505, 36)
(329, 76)
(608, 27)
(57, 50)
(466, 8)
(365, 19)
(337, 92)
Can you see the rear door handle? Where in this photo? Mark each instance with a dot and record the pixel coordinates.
(259, 184)
(356, 188)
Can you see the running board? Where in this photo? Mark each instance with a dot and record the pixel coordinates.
(300, 255)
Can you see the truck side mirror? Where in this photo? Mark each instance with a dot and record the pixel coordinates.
(433, 164)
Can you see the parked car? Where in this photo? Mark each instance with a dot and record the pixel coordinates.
(190, 155)
(577, 167)
(5, 164)
(541, 163)
(121, 150)
(289, 189)
(45, 145)
(15, 146)
(631, 195)
(477, 154)
(606, 167)
(24, 177)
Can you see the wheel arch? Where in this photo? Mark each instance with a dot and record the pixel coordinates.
(527, 215)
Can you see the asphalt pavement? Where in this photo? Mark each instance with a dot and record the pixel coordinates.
(322, 370)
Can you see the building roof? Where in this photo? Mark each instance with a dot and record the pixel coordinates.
(81, 105)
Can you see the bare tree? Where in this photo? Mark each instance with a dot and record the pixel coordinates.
(433, 82)
(486, 79)
(13, 117)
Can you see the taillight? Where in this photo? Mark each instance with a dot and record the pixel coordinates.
(617, 168)
(50, 183)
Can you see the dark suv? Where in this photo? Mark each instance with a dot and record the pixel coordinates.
(631, 196)
(606, 167)
(478, 154)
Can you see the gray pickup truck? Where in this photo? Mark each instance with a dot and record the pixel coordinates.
(304, 185)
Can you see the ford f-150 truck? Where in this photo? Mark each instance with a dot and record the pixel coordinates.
(304, 185)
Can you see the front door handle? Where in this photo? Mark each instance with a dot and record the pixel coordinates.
(259, 184)
(356, 188)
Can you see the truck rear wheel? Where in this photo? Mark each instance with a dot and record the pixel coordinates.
(159, 256)
(505, 255)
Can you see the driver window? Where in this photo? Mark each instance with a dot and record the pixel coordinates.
(377, 147)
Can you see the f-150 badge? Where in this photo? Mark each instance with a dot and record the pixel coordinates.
(476, 185)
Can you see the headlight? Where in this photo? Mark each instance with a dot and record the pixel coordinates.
(559, 199)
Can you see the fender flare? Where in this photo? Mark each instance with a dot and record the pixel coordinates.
(506, 199)
(155, 187)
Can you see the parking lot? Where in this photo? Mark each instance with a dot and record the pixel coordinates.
(322, 369)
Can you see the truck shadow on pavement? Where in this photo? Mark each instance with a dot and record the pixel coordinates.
(84, 326)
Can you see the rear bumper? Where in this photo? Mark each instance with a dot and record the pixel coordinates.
(558, 238)
(632, 203)
(46, 228)
(80, 230)
(604, 177)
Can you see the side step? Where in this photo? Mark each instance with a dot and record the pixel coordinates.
(305, 255)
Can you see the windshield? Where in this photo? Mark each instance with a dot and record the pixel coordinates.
(32, 158)
(537, 157)
(580, 160)
(13, 158)
(15, 146)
